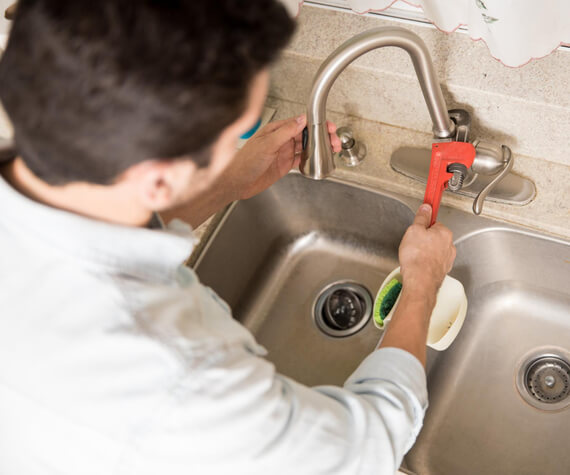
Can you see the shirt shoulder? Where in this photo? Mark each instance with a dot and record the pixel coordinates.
(188, 317)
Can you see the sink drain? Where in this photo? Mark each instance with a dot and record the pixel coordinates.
(544, 381)
(342, 309)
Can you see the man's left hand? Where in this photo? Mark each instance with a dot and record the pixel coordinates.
(270, 154)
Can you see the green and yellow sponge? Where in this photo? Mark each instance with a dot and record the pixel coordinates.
(386, 300)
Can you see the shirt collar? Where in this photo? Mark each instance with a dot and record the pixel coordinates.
(150, 254)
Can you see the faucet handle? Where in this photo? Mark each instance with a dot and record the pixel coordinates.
(352, 152)
(490, 159)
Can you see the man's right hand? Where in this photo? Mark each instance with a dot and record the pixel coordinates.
(426, 256)
(426, 253)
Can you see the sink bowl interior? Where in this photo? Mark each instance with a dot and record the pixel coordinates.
(273, 254)
(519, 304)
(276, 252)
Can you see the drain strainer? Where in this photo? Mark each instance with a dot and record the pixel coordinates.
(342, 309)
(544, 381)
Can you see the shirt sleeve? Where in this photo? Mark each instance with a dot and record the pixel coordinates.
(235, 414)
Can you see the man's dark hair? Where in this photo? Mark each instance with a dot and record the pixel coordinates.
(94, 87)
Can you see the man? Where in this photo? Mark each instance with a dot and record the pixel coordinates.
(114, 359)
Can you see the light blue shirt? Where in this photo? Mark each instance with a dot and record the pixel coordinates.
(114, 359)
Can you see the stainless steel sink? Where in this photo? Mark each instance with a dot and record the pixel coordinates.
(272, 256)
(518, 288)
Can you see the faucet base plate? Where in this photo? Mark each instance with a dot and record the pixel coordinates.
(513, 189)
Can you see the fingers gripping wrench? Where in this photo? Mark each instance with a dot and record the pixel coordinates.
(443, 155)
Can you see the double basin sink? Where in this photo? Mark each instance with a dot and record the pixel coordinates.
(300, 263)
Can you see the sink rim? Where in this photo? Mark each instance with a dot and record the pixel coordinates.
(464, 225)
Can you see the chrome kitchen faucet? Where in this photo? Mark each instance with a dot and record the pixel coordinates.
(492, 162)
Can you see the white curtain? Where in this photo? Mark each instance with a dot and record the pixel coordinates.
(515, 31)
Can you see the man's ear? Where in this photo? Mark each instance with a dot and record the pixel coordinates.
(160, 184)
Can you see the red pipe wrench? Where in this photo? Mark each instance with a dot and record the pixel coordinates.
(444, 154)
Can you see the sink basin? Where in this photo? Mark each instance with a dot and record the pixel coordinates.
(271, 258)
(518, 288)
(274, 254)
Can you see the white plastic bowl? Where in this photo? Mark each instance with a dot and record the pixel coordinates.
(447, 316)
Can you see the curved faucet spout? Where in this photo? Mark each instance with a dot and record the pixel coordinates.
(317, 160)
